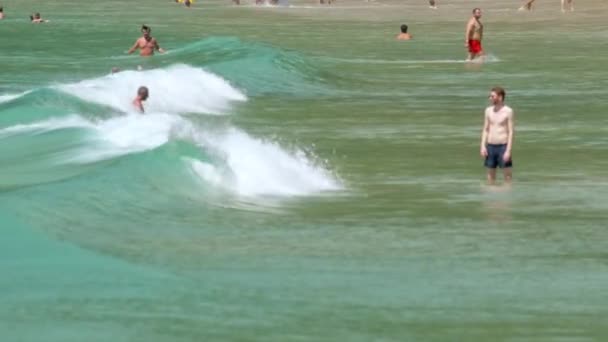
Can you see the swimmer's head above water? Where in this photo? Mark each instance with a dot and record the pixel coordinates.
(142, 92)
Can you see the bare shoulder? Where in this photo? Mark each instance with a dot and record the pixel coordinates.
(488, 110)
(509, 111)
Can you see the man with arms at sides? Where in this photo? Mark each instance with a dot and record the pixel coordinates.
(497, 136)
(146, 43)
(142, 95)
(473, 35)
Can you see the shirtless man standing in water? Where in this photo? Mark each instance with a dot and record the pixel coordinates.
(473, 35)
(497, 137)
(146, 43)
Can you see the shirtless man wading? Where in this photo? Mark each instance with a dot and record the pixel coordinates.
(473, 35)
(497, 136)
(146, 43)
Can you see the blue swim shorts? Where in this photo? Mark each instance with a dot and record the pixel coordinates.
(495, 154)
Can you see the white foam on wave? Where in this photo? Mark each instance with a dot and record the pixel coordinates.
(45, 126)
(10, 97)
(108, 138)
(129, 134)
(176, 89)
(254, 167)
(239, 163)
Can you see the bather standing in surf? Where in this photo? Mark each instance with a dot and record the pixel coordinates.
(146, 43)
(473, 35)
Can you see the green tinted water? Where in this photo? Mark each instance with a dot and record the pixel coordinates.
(299, 175)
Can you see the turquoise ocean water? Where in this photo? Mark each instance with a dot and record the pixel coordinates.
(299, 175)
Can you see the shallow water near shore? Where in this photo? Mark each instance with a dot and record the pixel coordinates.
(299, 175)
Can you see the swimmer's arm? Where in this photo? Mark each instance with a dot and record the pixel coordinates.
(134, 47)
(467, 33)
(510, 133)
(484, 133)
(158, 48)
(138, 105)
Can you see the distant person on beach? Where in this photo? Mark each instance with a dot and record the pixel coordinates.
(527, 5)
(142, 95)
(188, 3)
(1, 12)
(497, 136)
(36, 19)
(570, 3)
(146, 43)
(432, 4)
(473, 35)
(404, 35)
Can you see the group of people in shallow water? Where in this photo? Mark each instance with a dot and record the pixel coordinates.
(34, 18)
(526, 6)
(498, 127)
(472, 37)
(498, 124)
(146, 44)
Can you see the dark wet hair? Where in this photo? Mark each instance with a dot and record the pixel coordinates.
(1, 9)
(143, 91)
(403, 28)
(500, 91)
(146, 28)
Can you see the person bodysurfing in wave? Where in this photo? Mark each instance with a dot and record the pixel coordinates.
(146, 43)
(142, 95)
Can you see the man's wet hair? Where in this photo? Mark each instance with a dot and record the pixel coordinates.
(143, 91)
(403, 28)
(500, 91)
(146, 28)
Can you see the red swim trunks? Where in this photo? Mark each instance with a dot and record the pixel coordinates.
(475, 46)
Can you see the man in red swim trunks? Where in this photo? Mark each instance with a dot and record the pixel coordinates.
(473, 35)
